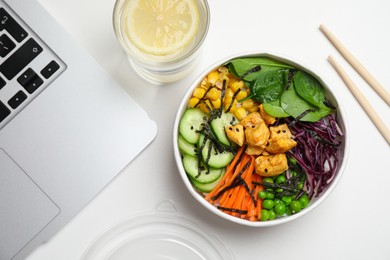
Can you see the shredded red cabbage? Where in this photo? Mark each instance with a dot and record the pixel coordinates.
(318, 152)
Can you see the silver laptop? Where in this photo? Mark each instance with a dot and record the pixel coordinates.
(66, 128)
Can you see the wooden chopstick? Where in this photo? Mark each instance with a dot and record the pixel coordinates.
(362, 100)
(357, 65)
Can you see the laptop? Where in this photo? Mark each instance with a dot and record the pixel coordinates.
(66, 128)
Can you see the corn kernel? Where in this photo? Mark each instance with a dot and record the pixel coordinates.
(249, 103)
(193, 101)
(213, 94)
(219, 84)
(204, 84)
(232, 109)
(223, 70)
(223, 77)
(241, 95)
(240, 113)
(227, 105)
(199, 92)
(253, 109)
(236, 85)
(229, 93)
(227, 101)
(213, 77)
(203, 107)
(216, 103)
(232, 80)
(206, 106)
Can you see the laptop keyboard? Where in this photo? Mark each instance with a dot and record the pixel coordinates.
(27, 65)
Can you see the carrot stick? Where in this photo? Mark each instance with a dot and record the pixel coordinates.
(228, 172)
(236, 202)
(236, 194)
(227, 179)
(236, 158)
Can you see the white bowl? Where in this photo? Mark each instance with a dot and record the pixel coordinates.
(315, 201)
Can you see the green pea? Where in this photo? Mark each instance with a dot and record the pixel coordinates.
(280, 179)
(277, 201)
(300, 185)
(270, 195)
(268, 204)
(288, 211)
(287, 200)
(268, 179)
(292, 161)
(304, 200)
(280, 209)
(264, 215)
(271, 214)
(279, 190)
(262, 194)
(295, 206)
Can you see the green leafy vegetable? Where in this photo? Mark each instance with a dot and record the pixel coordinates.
(241, 65)
(281, 88)
(294, 105)
(268, 86)
(310, 89)
(274, 108)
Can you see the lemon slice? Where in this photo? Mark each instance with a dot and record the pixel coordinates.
(161, 27)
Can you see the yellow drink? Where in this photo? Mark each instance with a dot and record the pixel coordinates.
(161, 37)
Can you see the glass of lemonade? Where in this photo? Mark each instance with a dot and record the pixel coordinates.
(162, 38)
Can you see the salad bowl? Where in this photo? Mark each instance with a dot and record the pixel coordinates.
(287, 96)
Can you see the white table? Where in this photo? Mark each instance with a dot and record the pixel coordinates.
(353, 223)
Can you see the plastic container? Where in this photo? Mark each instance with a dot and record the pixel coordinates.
(158, 235)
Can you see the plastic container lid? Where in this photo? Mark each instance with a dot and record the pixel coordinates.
(160, 235)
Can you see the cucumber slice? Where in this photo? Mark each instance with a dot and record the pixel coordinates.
(214, 159)
(190, 164)
(186, 147)
(218, 127)
(190, 122)
(206, 187)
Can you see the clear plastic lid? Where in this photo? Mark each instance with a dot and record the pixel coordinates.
(163, 234)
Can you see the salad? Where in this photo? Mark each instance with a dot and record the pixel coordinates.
(259, 139)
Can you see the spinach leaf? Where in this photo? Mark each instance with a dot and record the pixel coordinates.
(281, 88)
(275, 109)
(294, 105)
(310, 89)
(268, 86)
(240, 66)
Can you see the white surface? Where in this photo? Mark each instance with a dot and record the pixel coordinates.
(351, 224)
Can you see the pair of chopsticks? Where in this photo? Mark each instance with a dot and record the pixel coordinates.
(352, 87)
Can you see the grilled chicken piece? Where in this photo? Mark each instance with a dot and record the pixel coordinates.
(236, 134)
(257, 135)
(254, 150)
(253, 119)
(280, 131)
(280, 139)
(279, 145)
(271, 165)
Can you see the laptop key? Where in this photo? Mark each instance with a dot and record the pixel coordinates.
(20, 58)
(2, 83)
(11, 26)
(17, 99)
(50, 69)
(6, 45)
(4, 111)
(30, 80)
